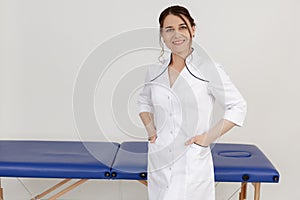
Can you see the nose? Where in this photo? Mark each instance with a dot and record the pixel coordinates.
(177, 34)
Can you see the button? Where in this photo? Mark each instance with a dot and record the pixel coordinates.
(170, 114)
(170, 150)
(143, 175)
(114, 174)
(170, 168)
(245, 177)
(171, 132)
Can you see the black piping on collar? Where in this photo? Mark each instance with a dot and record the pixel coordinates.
(188, 71)
(195, 75)
(186, 68)
(159, 74)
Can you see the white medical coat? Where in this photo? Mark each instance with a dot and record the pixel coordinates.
(177, 171)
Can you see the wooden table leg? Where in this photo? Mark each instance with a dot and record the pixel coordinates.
(243, 193)
(256, 190)
(143, 182)
(1, 191)
(51, 189)
(71, 187)
(1, 194)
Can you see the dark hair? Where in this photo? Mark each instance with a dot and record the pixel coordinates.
(177, 11)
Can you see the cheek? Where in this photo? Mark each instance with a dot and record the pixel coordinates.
(186, 34)
(167, 41)
(165, 38)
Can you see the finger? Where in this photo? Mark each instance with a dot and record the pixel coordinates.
(153, 139)
(190, 141)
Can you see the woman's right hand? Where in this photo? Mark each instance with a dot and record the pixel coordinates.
(152, 138)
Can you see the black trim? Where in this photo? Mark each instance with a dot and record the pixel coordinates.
(186, 68)
(196, 76)
(159, 74)
(200, 145)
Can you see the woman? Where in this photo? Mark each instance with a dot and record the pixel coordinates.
(176, 105)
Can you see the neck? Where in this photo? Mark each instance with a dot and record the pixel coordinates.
(179, 59)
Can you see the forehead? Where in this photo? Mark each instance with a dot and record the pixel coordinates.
(173, 20)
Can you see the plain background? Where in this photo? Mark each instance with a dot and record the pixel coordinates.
(43, 44)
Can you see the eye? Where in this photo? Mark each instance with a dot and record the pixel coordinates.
(169, 30)
(182, 27)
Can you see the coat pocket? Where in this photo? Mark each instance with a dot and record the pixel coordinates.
(199, 164)
(200, 145)
(198, 151)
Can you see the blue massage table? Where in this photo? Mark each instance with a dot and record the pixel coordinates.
(104, 160)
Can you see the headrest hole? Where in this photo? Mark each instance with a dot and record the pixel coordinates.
(235, 154)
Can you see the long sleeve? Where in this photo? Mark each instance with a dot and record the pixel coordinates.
(225, 93)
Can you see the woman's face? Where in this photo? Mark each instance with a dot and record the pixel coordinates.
(175, 34)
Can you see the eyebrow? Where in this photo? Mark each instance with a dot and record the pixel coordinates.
(172, 26)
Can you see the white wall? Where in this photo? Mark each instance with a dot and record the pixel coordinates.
(43, 44)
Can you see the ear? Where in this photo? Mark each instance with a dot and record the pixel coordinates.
(162, 39)
(193, 30)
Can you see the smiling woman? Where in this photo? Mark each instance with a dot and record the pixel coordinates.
(177, 33)
(176, 108)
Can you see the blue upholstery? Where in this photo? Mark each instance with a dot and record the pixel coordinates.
(232, 163)
(53, 159)
(131, 161)
(242, 162)
(104, 160)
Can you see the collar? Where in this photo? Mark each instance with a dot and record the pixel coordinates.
(194, 60)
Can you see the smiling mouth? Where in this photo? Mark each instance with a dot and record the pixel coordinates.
(179, 42)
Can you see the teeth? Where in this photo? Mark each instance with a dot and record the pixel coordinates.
(178, 42)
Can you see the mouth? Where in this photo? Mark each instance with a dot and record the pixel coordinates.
(178, 42)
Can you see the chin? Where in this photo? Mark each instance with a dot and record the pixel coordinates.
(180, 50)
